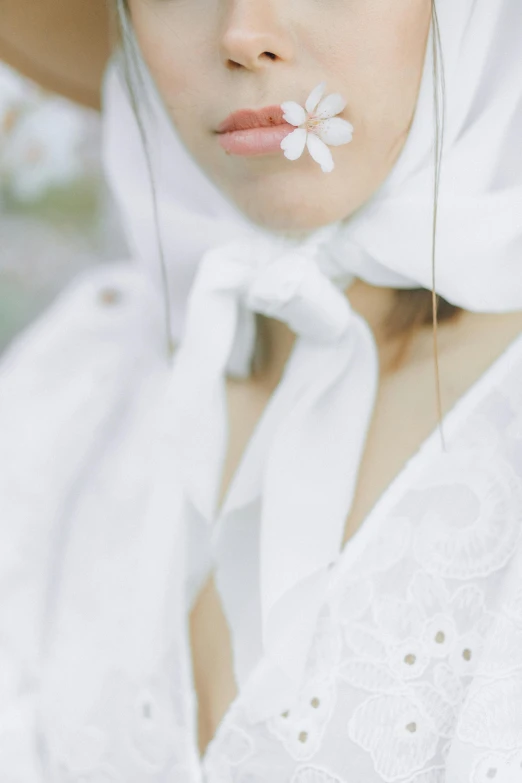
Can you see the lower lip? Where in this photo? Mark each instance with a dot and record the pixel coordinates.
(255, 141)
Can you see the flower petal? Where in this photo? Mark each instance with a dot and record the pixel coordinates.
(294, 144)
(330, 106)
(293, 113)
(320, 152)
(314, 97)
(334, 131)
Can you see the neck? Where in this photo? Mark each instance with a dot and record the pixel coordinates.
(276, 340)
(374, 303)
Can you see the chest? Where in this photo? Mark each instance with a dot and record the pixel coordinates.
(387, 448)
(404, 415)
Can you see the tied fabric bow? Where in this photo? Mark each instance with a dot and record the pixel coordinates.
(387, 242)
(314, 428)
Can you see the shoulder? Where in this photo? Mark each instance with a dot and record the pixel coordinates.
(106, 310)
(67, 372)
(66, 378)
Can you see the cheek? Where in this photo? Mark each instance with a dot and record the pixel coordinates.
(378, 51)
(381, 52)
(174, 49)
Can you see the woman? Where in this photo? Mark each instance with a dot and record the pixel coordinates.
(259, 559)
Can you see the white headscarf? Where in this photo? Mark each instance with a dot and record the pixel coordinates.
(303, 462)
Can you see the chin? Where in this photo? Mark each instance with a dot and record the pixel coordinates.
(297, 203)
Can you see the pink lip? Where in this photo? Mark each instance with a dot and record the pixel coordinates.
(254, 132)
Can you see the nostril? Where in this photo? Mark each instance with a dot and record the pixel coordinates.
(235, 64)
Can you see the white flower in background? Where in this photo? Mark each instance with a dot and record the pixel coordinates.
(16, 96)
(10, 94)
(317, 127)
(41, 150)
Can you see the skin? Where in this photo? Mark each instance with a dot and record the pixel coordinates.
(211, 57)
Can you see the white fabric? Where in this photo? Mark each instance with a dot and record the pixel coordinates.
(93, 615)
(96, 682)
(307, 465)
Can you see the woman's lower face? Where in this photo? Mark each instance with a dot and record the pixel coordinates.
(212, 58)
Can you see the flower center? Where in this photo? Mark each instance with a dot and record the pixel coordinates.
(313, 122)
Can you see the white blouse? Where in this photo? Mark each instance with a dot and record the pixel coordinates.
(415, 674)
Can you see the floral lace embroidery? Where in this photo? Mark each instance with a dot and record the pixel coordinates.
(230, 747)
(492, 716)
(312, 774)
(470, 526)
(141, 719)
(408, 629)
(102, 774)
(498, 767)
(432, 775)
(301, 727)
(418, 648)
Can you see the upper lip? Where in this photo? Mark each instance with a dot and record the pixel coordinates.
(252, 118)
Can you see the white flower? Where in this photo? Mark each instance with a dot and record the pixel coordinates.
(317, 126)
(41, 151)
(16, 94)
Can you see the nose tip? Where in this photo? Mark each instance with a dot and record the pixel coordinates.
(254, 37)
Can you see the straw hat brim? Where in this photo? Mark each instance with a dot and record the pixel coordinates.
(63, 45)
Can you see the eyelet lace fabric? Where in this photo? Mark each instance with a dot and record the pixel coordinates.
(410, 665)
(415, 671)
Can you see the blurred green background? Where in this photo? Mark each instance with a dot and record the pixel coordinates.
(56, 214)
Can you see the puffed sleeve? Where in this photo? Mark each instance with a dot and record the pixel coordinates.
(61, 379)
